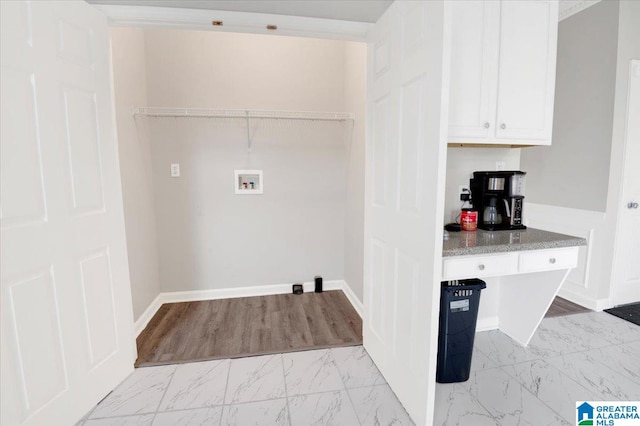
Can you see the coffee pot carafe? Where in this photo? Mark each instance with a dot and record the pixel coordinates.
(490, 215)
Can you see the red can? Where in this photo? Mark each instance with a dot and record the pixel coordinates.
(469, 220)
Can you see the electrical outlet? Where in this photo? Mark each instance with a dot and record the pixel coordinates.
(463, 190)
(175, 170)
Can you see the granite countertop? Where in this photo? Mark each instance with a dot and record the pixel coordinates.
(466, 243)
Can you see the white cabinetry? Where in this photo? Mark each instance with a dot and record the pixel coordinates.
(493, 265)
(503, 63)
(528, 283)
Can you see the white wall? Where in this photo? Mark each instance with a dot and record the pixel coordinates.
(355, 94)
(129, 74)
(208, 237)
(462, 162)
(590, 284)
(574, 171)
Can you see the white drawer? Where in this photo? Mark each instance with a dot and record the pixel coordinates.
(480, 266)
(544, 260)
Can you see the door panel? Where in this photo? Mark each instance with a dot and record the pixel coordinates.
(381, 156)
(67, 332)
(406, 149)
(21, 205)
(410, 197)
(83, 148)
(97, 292)
(36, 322)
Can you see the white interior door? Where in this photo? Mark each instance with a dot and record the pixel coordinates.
(404, 196)
(66, 331)
(626, 271)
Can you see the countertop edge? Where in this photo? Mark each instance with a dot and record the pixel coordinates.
(508, 248)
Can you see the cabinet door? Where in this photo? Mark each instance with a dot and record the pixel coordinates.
(526, 74)
(474, 53)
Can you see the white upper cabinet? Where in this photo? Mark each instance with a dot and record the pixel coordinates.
(474, 61)
(503, 64)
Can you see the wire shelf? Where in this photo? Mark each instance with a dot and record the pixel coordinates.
(239, 113)
(246, 115)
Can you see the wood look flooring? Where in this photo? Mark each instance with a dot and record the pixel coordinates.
(561, 307)
(231, 328)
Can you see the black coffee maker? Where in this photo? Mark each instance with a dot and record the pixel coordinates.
(498, 198)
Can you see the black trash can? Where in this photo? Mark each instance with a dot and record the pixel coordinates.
(459, 302)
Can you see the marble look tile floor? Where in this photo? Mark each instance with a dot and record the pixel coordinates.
(338, 386)
(589, 356)
(581, 357)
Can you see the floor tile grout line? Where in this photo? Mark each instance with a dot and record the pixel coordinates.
(239, 403)
(353, 405)
(224, 396)
(523, 386)
(163, 395)
(339, 370)
(346, 390)
(542, 357)
(570, 377)
(558, 355)
(119, 416)
(473, 398)
(608, 367)
(518, 382)
(286, 392)
(88, 416)
(505, 368)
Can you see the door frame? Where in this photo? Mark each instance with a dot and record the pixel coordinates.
(618, 260)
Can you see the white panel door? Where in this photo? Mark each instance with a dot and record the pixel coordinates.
(66, 331)
(404, 196)
(626, 271)
(474, 58)
(526, 71)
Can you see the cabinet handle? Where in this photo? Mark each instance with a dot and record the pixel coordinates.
(503, 126)
(552, 260)
(481, 267)
(487, 125)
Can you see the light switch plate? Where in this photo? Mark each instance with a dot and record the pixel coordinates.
(175, 170)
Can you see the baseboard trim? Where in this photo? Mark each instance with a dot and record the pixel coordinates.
(229, 293)
(588, 302)
(146, 316)
(353, 299)
(486, 324)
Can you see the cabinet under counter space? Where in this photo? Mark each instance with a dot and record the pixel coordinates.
(524, 270)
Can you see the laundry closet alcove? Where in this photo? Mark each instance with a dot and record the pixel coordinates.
(247, 102)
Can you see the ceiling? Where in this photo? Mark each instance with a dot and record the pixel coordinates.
(345, 10)
(367, 11)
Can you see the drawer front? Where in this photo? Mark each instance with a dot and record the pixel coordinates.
(480, 266)
(544, 260)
